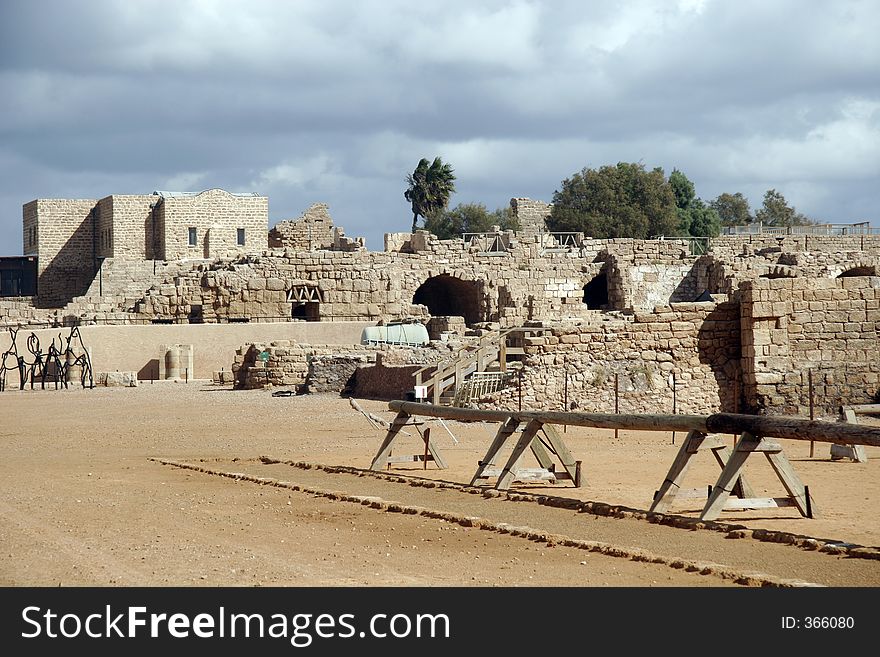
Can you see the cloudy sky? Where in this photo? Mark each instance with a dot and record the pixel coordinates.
(329, 101)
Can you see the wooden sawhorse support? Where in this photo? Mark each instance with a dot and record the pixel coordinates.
(383, 457)
(731, 479)
(747, 445)
(854, 452)
(528, 439)
(695, 442)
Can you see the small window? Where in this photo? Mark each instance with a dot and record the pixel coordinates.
(193, 239)
(241, 236)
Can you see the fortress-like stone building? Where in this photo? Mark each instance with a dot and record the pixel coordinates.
(735, 324)
(72, 237)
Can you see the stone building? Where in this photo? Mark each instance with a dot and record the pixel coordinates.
(72, 238)
(737, 326)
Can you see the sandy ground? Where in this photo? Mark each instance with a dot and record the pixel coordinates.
(84, 501)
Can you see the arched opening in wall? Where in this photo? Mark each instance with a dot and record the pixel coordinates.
(307, 311)
(305, 302)
(864, 270)
(596, 293)
(445, 295)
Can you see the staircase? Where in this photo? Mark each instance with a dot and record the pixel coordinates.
(476, 370)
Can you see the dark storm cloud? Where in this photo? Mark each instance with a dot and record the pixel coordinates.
(336, 101)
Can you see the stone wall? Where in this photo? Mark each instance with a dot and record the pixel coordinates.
(441, 278)
(312, 230)
(65, 247)
(21, 311)
(694, 344)
(828, 326)
(288, 363)
(216, 215)
(390, 377)
(532, 215)
(133, 234)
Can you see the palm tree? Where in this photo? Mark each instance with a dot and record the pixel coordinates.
(430, 186)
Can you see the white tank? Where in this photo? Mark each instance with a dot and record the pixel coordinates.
(403, 333)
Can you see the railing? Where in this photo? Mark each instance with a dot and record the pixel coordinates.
(478, 385)
(551, 242)
(486, 243)
(696, 245)
(861, 228)
(473, 358)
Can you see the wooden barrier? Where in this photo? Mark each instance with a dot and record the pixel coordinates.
(756, 432)
(850, 414)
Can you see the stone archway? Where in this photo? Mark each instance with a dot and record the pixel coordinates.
(596, 292)
(861, 270)
(446, 295)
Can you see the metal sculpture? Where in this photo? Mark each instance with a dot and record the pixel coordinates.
(55, 363)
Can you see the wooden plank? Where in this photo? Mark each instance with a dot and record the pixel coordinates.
(504, 432)
(792, 483)
(741, 488)
(408, 458)
(713, 441)
(525, 439)
(434, 452)
(524, 474)
(854, 452)
(735, 504)
(381, 458)
(558, 445)
(540, 452)
(731, 472)
(680, 465)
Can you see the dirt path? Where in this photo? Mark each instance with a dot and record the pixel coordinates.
(84, 504)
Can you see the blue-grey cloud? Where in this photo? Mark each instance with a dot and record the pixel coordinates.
(337, 101)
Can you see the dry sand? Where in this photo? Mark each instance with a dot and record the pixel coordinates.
(86, 502)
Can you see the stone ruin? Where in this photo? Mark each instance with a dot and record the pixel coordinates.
(736, 327)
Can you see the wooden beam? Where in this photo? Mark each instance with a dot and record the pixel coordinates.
(793, 428)
(672, 484)
(599, 420)
(504, 432)
(509, 471)
(381, 458)
(565, 457)
(865, 409)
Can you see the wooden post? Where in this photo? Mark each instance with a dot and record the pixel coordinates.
(565, 396)
(810, 378)
(674, 403)
(616, 405)
(736, 396)
(427, 437)
(519, 385)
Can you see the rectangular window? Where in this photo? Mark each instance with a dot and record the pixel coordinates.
(193, 240)
(241, 236)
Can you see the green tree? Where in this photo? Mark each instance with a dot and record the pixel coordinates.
(732, 209)
(469, 218)
(699, 220)
(682, 188)
(777, 212)
(695, 218)
(615, 201)
(430, 186)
